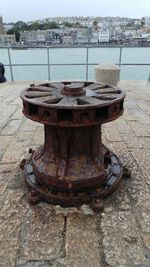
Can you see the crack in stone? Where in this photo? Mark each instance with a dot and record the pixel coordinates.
(63, 250)
(103, 262)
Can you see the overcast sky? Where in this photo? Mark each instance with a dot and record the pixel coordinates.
(26, 10)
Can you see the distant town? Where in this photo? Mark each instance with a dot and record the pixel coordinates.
(76, 31)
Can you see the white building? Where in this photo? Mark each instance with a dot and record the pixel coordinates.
(82, 36)
(147, 22)
(104, 36)
(8, 27)
(40, 37)
(67, 40)
(28, 37)
(94, 37)
(7, 39)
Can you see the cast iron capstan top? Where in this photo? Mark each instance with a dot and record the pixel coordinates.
(73, 103)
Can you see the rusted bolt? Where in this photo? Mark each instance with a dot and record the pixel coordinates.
(22, 164)
(31, 151)
(126, 172)
(97, 204)
(34, 198)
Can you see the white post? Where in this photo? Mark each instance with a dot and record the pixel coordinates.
(107, 74)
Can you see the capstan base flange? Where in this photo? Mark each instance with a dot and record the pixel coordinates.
(40, 192)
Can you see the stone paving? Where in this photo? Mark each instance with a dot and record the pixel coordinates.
(46, 235)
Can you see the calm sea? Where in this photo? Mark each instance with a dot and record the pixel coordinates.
(75, 56)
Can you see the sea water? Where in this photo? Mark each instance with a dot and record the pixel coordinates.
(74, 56)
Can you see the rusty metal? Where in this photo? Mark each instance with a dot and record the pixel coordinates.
(73, 166)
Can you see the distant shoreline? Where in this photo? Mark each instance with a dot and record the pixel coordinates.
(75, 46)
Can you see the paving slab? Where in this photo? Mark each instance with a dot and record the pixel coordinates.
(82, 241)
(122, 242)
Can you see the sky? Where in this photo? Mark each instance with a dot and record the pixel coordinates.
(28, 10)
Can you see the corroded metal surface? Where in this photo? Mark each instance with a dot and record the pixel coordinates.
(75, 104)
(72, 166)
(42, 190)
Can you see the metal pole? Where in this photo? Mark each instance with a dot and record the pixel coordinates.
(120, 56)
(48, 64)
(87, 62)
(11, 70)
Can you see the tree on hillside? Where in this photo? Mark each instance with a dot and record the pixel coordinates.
(68, 24)
(21, 26)
(142, 22)
(95, 25)
(16, 32)
(35, 26)
(17, 28)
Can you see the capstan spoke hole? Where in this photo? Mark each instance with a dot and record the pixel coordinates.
(33, 109)
(102, 113)
(121, 105)
(81, 101)
(65, 115)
